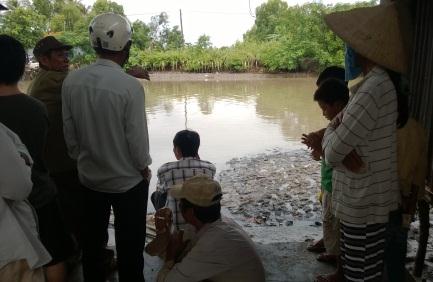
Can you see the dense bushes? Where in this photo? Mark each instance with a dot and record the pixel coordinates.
(283, 38)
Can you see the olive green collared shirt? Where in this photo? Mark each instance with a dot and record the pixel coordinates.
(47, 87)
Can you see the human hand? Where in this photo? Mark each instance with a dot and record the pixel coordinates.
(353, 162)
(316, 155)
(163, 220)
(175, 246)
(138, 72)
(312, 140)
(146, 173)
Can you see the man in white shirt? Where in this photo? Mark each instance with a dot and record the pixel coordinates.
(221, 250)
(106, 131)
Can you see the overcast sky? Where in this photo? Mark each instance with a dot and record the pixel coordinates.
(225, 21)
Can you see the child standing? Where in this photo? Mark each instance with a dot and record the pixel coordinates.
(332, 96)
(330, 72)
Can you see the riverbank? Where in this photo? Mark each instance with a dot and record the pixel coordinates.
(30, 73)
(272, 189)
(273, 196)
(223, 76)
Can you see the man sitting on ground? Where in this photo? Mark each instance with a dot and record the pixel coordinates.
(185, 148)
(221, 251)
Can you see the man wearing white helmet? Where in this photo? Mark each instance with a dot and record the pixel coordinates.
(106, 131)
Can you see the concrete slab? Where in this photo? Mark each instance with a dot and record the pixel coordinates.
(291, 262)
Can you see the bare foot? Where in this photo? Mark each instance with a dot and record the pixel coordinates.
(317, 247)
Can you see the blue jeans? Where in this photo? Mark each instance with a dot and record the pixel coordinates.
(396, 247)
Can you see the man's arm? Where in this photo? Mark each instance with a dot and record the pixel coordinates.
(68, 125)
(358, 121)
(136, 130)
(138, 72)
(15, 174)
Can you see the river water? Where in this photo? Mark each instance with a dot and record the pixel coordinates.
(235, 115)
(233, 118)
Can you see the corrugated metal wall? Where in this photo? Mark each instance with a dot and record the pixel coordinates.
(421, 78)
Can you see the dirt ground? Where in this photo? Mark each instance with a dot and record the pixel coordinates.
(273, 196)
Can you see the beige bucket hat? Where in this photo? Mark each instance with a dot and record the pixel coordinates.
(376, 33)
(199, 190)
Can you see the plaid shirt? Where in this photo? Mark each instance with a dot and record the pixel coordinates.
(177, 172)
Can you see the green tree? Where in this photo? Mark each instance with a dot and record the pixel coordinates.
(268, 18)
(12, 4)
(58, 5)
(174, 38)
(24, 24)
(44, 7)
(72, 15)
(159, 30)
(204, 42)
(141, 35)
(105, 6)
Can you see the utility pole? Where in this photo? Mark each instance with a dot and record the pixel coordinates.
(181, 25)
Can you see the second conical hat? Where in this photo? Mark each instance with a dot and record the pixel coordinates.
(373, 32)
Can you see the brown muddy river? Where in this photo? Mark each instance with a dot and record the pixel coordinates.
(235, 117)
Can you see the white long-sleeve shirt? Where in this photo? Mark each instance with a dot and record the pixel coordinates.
(19, 234)
(369, 127)
(105, 126)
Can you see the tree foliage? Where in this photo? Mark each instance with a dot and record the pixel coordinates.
(204, 42)
(141, 35)
(283, 38)
(24, 24)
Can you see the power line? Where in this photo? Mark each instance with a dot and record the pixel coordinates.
(195, 12)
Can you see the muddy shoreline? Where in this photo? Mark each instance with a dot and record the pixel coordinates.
(274, 197)
(223, 76)
(272, 189)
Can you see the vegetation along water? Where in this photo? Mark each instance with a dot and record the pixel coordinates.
(283, 39)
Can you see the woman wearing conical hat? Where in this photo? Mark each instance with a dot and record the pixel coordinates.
(364, 134)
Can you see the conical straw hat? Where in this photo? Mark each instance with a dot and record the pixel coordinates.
(374, 33)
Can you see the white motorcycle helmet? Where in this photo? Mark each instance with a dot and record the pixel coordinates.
(110, 32)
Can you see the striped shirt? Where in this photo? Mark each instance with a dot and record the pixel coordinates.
(368, 126)
(177, 172)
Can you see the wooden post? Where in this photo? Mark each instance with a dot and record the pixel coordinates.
(181, 25)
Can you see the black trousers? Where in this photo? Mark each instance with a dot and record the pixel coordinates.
(70, 194)
(130, 210)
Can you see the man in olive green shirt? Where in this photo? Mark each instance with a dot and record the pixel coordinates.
(52, 56)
